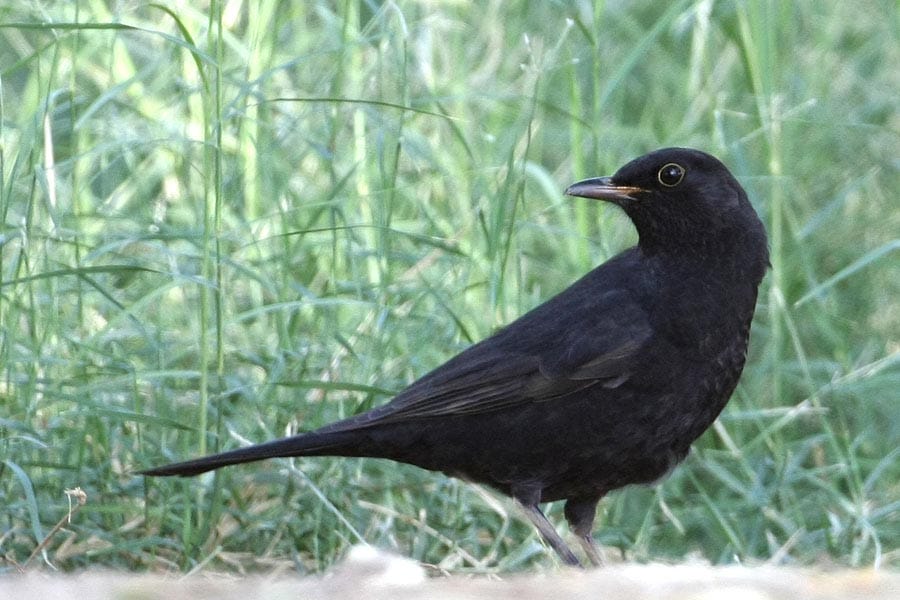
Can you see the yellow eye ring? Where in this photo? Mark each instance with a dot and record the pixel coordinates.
(670, 174)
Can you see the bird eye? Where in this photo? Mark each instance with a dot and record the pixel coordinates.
(670, 175)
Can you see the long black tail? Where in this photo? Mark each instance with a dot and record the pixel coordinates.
(307, 444)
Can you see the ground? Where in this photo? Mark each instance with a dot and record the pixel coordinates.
(368, 573)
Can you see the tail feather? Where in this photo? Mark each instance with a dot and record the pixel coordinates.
(309, 444)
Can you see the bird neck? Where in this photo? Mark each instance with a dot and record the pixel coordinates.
(727, 253)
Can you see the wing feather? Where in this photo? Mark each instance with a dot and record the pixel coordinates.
(538, 357)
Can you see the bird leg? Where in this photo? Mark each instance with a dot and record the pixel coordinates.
(580, 516)
(549, 534)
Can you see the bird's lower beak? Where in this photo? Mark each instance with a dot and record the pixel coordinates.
(602, 188)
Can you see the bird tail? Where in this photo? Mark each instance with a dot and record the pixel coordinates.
(307, 444)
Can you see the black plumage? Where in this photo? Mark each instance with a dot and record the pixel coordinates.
(606, 384)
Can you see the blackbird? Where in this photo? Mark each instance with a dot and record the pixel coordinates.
(604, 385)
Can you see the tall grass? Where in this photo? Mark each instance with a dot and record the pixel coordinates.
(228, 223)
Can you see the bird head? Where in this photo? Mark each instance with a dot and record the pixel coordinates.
(681, 199)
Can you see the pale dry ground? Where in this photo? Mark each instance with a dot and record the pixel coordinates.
(370, 574)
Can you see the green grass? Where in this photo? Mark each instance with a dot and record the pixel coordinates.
(235, 223)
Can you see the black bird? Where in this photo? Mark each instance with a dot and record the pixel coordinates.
(606, 384)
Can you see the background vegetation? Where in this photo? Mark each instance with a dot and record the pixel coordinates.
(226, 222)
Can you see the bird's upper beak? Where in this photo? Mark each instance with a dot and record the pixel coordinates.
(602, 188)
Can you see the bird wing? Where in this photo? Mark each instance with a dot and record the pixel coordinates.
(581, 338)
